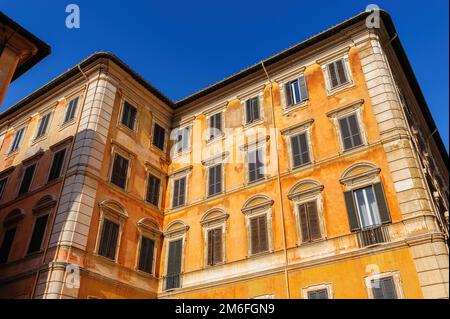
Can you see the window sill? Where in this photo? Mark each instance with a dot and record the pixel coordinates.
(295, 107)
(215, 195)
(311, 242)
(156, 149)
(340, 88)
(215, 139)
(127, 130)
(253, 124)
(11, 154)
(39, 139)
(302, 167)
(111, 261)
(215, 265)
(145, 274)
(66, 124)
(353, 149)
(261, 254)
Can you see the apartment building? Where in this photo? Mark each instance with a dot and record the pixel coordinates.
(317, 173)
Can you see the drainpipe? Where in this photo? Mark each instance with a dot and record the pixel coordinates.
(69, 155)
(280, 197)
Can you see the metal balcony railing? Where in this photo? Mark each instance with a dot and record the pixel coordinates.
(373, 235)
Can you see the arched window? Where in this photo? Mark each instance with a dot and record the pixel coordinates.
(306, 197)
(41, 211)
(150, 234)
(176, 238)
(214, 230)
(112, 219)
(10, 224)
(258, 219)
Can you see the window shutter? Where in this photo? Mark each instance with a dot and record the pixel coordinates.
(254, 235)
(146, 255)
(210, 247)
(345, 133)
(382, 203)
(318, 294)
(341, 71)
(304, 148)
(119, 172)
(217, 248)
(304, 222)
(287, 88)
(8, 240)
(248, 111)
(263, 240)
(333, 75)
(174, 262)
(384, 288)
(255, 109)
(38, 234)
(314, 222)
(158, 136)
(212, 181)
(58, 160)
(303, 88)
(354, 130)
(108, 240)
(295, 142)
(182, 191)
(27, 178)
(351, 211)
(176, 192)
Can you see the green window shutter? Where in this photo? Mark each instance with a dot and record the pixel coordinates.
(351, 211)
(382, 203)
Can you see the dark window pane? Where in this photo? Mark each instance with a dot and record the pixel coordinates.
(215, 180)
(179, 189)
(43, 124)
(159, 135)
(252, 110)
(384, 288)
(215, 125)
(3, 186)
(8, 240)
(214, 246)
(58, 160)
(174, 264)
(71, 109)
(300, 150)
(119, 171)
(318, 294)
(129, 115)
(26, 180)
(259, 236)
(17, 139)
(38, 234)
(255, 165)
(153, 190)
(350, 133)
(146, 255)
(108, 240)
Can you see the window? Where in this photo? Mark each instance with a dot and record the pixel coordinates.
(215, 180)
(182, 140)
(27, 179)
(179, 191)
(174, 264)
(384, 288)
(259, 238)
(309, 221)
(70, 111)
(367, 207)
(57, 164)
(337, 73)
(43, 125)
(108, 239)
(3, 182)
(146, 255)
(252, 110)
(255, 165)
(7, 242)
(350, 133)
(318, 294)
(300, 150)
(296, 91)
(159, 135)
(153, 186)
(215, 252)
(17, 140)
(119, 171)
(215, 126)
(129, 115)
(38, 234)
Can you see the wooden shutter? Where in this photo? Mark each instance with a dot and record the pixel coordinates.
(263, 236)
(58, 160)
(248, 111)
(382, 203)
(215, 180)
(255, 109)
(314, 221)
(345, 133)
(333, 76)
(304, 148)
(38, 234)
(341, 71)
(211, 181)
(214, 246)
(27, 178)
(153, 186)
(287, 88)
(351, 211)
(17, 139)
(108, 240)
(318, 294)
(254, 235)
(182, 191)
(296, 157)
(176, 192)
(43, 125)
(158, 136)
(355, 133)
(303, 88)
(129, 115)
(174, 259)
(384, 288)
(119, 172)
(8, 240)
(146, 254)
(304, 222)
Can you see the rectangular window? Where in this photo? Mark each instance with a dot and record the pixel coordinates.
(215, 126)
(318, 294)
(17, 140)
(70, 111)
(174, 264)
(38, 234)
(309, 221)
(384, 288)
(3, 182)
(300, 150)
(119, 171)
(43, 125)
(296, 91)
(215, 180)
(57, 164)
(108, 239)
(159, 135)
(129, 115)
(337, 73)
(252, 110)
(27, 179)
(183, 140)
(8, 240)
(367, 207)
(153, 186)
(350, 132)
(259, 236)
(146, 255)
(215, 246)
(179, 190)
(255, 165)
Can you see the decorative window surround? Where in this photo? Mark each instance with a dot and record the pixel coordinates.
(157, 172)
(396, 278)
(304, 127)
(208, 163)
(333, 57)
(180, 173)
(360, 175)
(13, 218)
(166, 136)
(327, 286)
(176, 230)
(352, 108)
(212, 219)
(149, 228)
(125, 128)
(13, 149)
(125, 153)
(292, 75)
(47, 116)
(243, 100)
(260, 143)
(116, 213)
(221, 108)
(303, 192)
(258, 205)
(174, 153)
(43, 207)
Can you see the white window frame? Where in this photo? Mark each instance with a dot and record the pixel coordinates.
(182, 173)
(133, 131)
(395, 277)
(75, 114)
(149, 229)
(45, 134)
(166, 136)
(296, 105)
(327, 286)
(118, 150)
(211, 162)
(347, 68)
(222, 130)
(214, 219)
(288, 133)
(260, 98)
(174, 233)
(17, 149)
(261, 143)
(152, 170)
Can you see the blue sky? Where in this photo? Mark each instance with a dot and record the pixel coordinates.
(181, 47)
